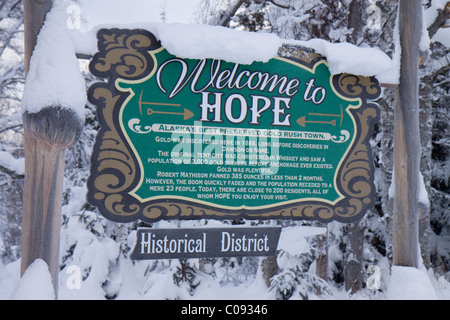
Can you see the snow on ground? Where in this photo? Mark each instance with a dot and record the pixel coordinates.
(410, 284)
(35, 284)
(406, 283)
(132, 281)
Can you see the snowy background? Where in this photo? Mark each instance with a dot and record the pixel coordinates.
(94, 252)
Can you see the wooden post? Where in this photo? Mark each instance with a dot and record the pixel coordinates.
(354, 266)
(34, 15)
(47, 134)
(407, 138)
(269, 264)
(321, 245)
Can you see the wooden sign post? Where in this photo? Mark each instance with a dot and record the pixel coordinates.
(407, 138)
(47, 134)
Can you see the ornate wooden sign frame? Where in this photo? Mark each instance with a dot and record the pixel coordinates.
(128, 56)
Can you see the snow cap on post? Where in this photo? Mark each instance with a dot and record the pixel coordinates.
(54, 89)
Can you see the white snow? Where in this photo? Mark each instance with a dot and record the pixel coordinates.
(348, 58)
(8, 280)
(430, 14)
(132, 279)
(11, 163)
(91, 253)
(189, 40)
(443, 36)
(423, 193)
(54, 78)
(204, 41)
(293, 239)
(35, 284)
(408, 283)
(423, 196)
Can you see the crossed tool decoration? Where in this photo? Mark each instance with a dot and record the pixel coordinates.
(302, 121)
(187, 114)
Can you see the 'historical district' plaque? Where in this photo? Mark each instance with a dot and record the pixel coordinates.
(154, 243)
(194, 139)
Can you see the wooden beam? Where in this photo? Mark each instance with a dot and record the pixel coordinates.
(47, 133)
(34, 13)
(407, 138)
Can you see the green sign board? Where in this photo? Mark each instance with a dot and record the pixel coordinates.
(193, 139)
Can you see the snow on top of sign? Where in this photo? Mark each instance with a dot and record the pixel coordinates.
(201, 42)
(54, 77)
(348, 58)
(204, 41)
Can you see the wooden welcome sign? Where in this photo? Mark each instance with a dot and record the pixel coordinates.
(195, 139)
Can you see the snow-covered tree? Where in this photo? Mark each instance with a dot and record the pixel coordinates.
(369, 23)
(11, 149)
